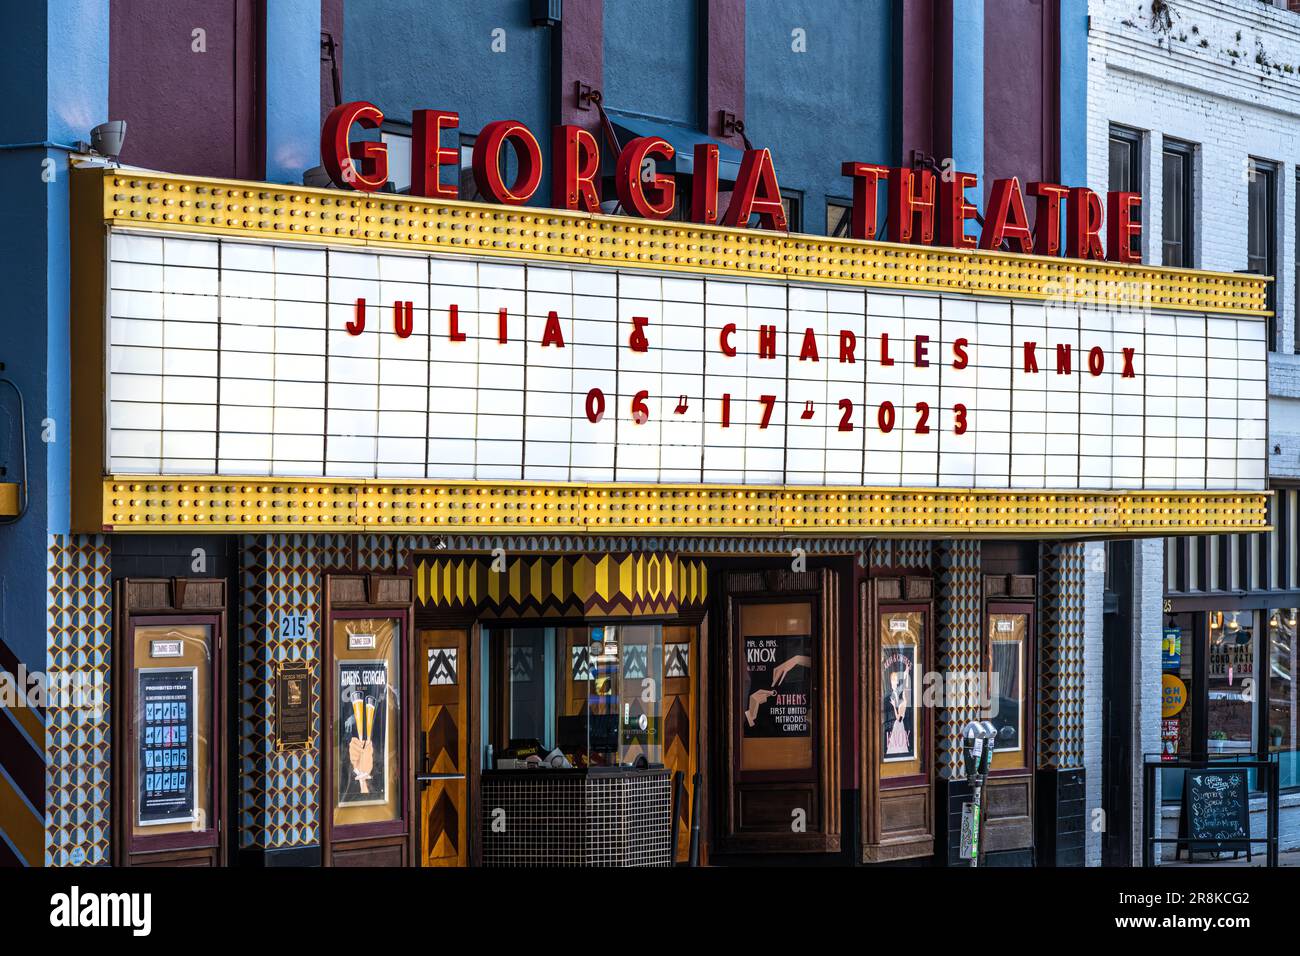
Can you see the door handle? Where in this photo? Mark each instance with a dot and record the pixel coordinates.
(424, 779)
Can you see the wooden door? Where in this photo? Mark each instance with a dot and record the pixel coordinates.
(780, 713)
(442, 775)
(169, 722)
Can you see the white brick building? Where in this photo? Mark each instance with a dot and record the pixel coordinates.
(1204, 95)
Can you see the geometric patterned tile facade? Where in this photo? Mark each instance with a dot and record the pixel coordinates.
(1061, 656)
(959, 630)
(78, 733)
(279, 792)
(911, 554)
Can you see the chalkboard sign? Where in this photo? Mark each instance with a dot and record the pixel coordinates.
(1216, 809)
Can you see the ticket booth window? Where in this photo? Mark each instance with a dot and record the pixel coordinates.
(575, 697)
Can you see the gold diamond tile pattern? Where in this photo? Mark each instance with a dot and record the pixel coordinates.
(78, 739)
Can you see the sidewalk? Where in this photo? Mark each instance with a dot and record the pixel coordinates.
(1284, 858)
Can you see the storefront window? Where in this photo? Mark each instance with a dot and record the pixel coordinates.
(1283, 711)
(577, 697)
(1231, 714)
(367, 713)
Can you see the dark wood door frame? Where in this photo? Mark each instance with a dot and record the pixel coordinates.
(359, 596)
(778, 586)
(911, 798)
(146, 602)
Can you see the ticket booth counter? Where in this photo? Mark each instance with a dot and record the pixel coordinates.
(578, 723)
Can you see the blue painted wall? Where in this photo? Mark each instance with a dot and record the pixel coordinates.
(404, 55)
(292, 89)
(828, 105)
(58, 73)
(652, 59)
(968, 94)
(1074, 92)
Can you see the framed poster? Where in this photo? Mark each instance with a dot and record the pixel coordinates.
(777, 686)
(293, 700)
(899, 686)
(362, 736)
(1006, 647)
(166, 728)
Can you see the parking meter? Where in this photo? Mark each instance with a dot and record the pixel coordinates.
(977, 739)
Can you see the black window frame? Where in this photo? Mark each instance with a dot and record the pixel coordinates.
(1265, 264)
(1185, 153)
(1131, 140)
(842, 230)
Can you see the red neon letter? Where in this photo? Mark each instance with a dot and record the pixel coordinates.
(1006, 218)
(366, 162)
(862, 224)
(487, 162)
(1122, 228)
(756, 192)
(576, 161)
(652, 200)
(704, 190)
(1083, 220)
(428, 155)
(911, 196)
(1047, 221)
(954, 210)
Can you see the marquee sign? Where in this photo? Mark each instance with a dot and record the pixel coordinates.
(235, 358)
(284, 381)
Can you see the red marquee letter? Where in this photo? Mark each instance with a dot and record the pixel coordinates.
(1122, 228)
(1083, 224)
(1006, 218)
(756, 192)
(911, 197)
(862, 224)
(428, 155)
(1047, 221)
(704, 190)
(367, 162)
(487, 162)
(576, 161)
(653, 200)
(954, 210)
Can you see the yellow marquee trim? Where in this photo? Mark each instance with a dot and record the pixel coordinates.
(156, 503)
(148, 200)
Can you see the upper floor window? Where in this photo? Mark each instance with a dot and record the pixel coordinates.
(1261, 230)
(839, 217)
(1126, 165)
(1176, 189)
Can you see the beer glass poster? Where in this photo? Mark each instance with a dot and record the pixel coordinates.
(166, 758)
(363, 724)
(778, 686)
(898, 704)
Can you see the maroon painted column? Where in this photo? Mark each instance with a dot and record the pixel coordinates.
(579, 57)
(722, 62)
(922, 79)
(331, 22)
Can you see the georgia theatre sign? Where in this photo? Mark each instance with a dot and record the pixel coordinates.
(351, 345)
(919, 210)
